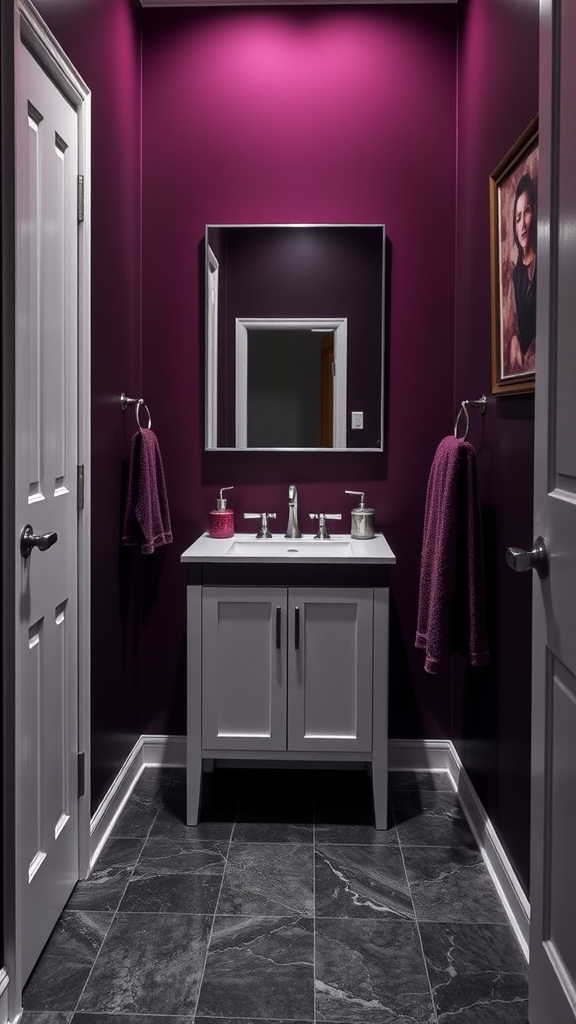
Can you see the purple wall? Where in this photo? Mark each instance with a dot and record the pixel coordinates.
(102, 39)
(299, 115)
(498, 97)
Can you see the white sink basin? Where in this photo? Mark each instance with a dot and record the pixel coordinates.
(304, 547)
(245, 547)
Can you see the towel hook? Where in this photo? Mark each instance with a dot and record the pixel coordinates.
(479, 403)
(138, 402)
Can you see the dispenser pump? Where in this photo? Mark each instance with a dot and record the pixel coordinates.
(221, 520)
(222, 503)
(362, 525)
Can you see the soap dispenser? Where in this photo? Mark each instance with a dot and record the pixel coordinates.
(362, 526)
(221, 519)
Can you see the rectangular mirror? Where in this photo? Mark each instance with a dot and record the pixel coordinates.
(295, 336)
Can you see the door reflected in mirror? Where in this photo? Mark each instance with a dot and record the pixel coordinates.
(280, 373)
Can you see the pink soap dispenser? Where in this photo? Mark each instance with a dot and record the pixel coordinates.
(221, 519)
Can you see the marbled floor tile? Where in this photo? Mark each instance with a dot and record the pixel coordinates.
(105, 887)
(259, 968)
(422, 782)
(61, 972)
(430, 819)
(271, 832)
(356, 835)
(371, 972)
(477, 972)
(137, 816)
(274, 880)
(149, 964)
(451, 884)
(175, 876)
(216, 819)
(361, 881)
(46, 1017)
(242, 1020)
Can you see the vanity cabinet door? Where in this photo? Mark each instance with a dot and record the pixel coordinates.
(244, 668)
(330, 666)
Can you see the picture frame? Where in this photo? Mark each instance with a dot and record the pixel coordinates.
(513, 257)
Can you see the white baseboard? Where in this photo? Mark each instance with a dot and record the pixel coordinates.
(510, 891)
(3, 996)
(403, 755)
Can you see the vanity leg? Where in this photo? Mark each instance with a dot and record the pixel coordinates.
(193, 790)
(380, 709)
(194, 705)
(209, 764)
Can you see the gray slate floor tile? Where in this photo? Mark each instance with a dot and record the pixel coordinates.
(451, 884)
(105, 887)
(273, 880)
(430, 819)
(149, 963)
(259, 968)
(371, 972)
(361, 881)
(61, 973)
(176, 876)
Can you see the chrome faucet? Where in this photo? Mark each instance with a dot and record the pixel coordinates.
(292, 530)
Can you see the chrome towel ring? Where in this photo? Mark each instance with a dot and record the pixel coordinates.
(479, 403)
(138, 402)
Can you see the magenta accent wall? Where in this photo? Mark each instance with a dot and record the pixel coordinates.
(102, 39)
(498, 97)
(299, 115)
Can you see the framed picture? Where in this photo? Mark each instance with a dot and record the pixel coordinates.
(513, 221)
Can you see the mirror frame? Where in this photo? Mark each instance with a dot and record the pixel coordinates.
(211, 279)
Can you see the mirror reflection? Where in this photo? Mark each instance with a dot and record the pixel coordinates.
(294, 336)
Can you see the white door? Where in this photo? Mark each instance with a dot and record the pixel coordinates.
(553, 852)
(46, 500)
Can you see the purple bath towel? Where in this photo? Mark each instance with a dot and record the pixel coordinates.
(451, 598)
(147, 518)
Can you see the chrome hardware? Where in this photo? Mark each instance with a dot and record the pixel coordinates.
(293, 529)
(297, 628)
(322, 527)
(479, 403)
(264, 517)
(278, 627)
(520, 560)
(29, 540)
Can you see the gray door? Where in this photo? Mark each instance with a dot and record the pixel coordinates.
(330, 669)
(243, 668)
(553, 852)
(45, 500)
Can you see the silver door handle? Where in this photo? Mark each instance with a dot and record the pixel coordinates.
(29, 540)
(520, 560)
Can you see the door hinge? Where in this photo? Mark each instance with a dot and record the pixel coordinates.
(80, 487)
(80, 197)
(333, 369)
(81, 774)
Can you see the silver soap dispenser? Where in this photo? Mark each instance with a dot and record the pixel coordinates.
(362, 525)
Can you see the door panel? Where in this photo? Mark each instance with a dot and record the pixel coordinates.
(330, 669)
(553, 848)
(46, 424)
(244, 668)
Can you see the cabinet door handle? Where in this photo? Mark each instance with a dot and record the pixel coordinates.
(278, 626)
(297, 627)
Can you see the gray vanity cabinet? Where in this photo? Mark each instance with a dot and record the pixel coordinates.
(287, 669)
(287, 663)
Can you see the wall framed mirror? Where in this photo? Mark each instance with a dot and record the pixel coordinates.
(295, 337)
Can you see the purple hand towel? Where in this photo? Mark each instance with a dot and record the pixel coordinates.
(451, 597)
(147, 518)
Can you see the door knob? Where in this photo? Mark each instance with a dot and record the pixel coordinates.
(29, 540)
(521, 560)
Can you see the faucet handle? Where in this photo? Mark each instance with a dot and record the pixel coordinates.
(322, 527)
(264, 517)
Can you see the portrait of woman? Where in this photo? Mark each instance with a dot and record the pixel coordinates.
(514, 191)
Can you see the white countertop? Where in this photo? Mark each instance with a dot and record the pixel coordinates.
(245, 547)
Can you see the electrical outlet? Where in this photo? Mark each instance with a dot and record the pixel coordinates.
(357, 421)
